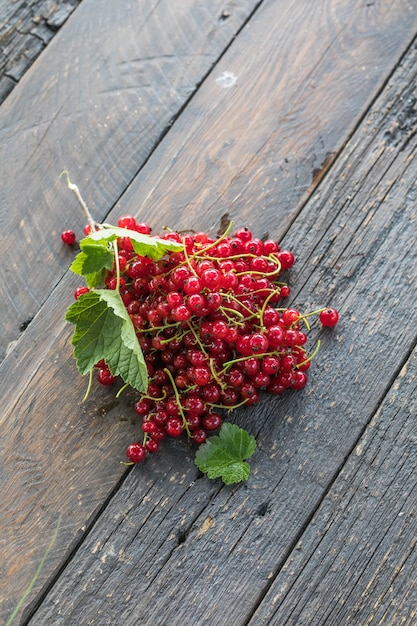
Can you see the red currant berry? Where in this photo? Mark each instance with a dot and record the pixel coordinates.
(299, 380)
(243, 234)
(270, 365)
(261, 379)
(211, 393)
(270, 316)
(291, 337)
(68, 237)
(193, 421)
(143, 406)
(136, 453)
(212, 421)
(194, 404)
(199, 435)
(211, 278)
(201, 376)
(196, 302)
(143, 228)
(174, 299)
(259, 343)
(105, 377)
(149, 427)
(220, 329)
(236, 377)
(159, 434)
(192, 284)
(80, 291)
(329, 317)
(270, 246)
(181, 314)
(286, 258)
(126, 221)
(275, 386)
(290, 316)
(174, 427)
(152, 445)
(214, 300)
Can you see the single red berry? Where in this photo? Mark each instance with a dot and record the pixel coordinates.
(181, 314)
(126, 221)
(152, 445)
(244, 234)
(299, 380)
(105, 377)
(258, 264)
(143, 228)
(220, 329)
(199, 435)
(270, 365)
(291, 337)
(211, 278)
(136, 453)
(149, 427)
(261, 379)
(290, 316)
(286, 258)
(68, 237)
(193, 422)
(174, 427)
(270, 246)
(259, 343)
(288, 362)
(143, 406)
(79, 292)
(275, 336)
(329, 317)
(212, 421)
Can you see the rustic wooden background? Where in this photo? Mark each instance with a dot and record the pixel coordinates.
(299, 122)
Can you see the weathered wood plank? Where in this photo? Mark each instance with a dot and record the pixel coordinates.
(356, 562)
(213, 554)
(102, 94)
(25, 30)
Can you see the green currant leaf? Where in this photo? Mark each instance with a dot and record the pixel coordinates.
(93, 260)
(96, 279)
(223, 455)
(144, 245)
(104, 330)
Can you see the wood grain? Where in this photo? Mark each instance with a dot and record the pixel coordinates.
(96, 103)
(25, 30)
(356, 562)
(195, 548)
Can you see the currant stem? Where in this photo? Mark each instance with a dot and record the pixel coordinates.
(265, 304)
(79, 197)
(229, 364)
(311, 356)
(121, 390)
(117, 264)
(178, 400)
(228, 408)
(90, 382)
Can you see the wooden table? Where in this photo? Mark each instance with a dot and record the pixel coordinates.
(299, 119)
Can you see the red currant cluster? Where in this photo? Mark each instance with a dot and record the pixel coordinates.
(210, 329)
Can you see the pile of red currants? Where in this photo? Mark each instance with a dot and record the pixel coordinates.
(211, 329)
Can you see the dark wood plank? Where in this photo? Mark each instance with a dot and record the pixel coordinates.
(160, 554)
(99, 99)
(26, 29)
(356, 562)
